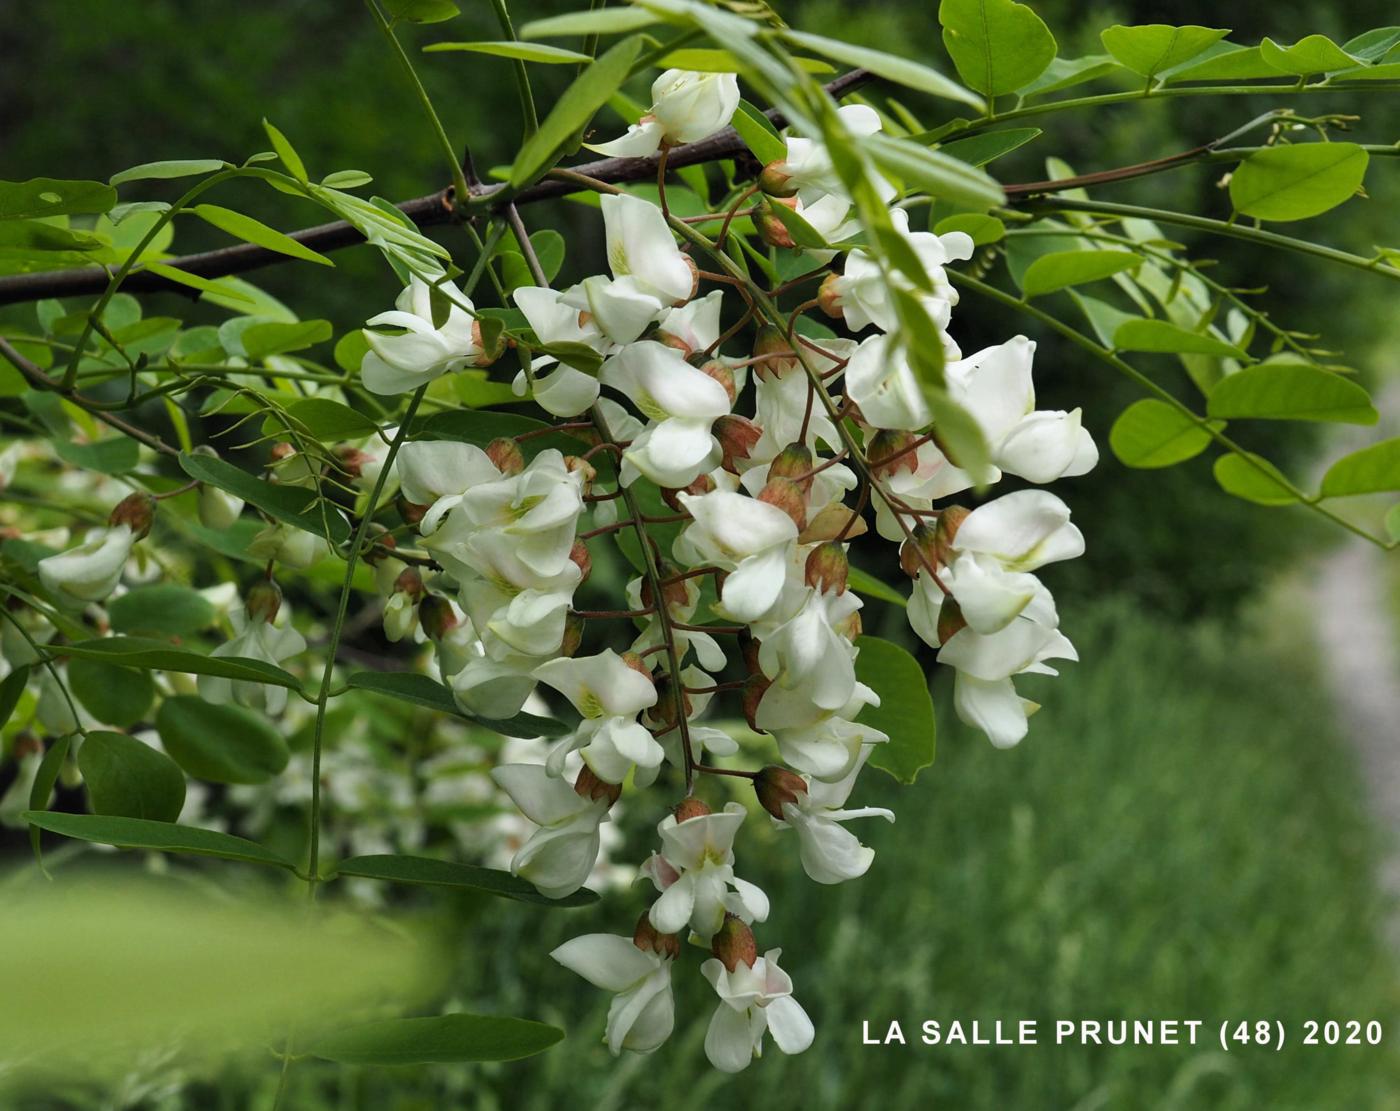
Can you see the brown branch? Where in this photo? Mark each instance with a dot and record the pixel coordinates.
(430, 211)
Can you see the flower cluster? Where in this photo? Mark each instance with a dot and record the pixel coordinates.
(766, 502)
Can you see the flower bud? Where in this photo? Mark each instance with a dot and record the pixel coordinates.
(410, 512)
(829, 295)
(436, 616)
(787, 496)
(409, 582)
(694, 279)
(505, 453)
(671, 704)
(589, 786)
(720, 372)
(136, 511)
(755, 686)
(637, 664)
(579, 556)
(946, 532)
(352, 460)
(734, 943)
(776, 787)
(486, 356)
(737, 437)
(281, 452)
(381, 547)
(794, 462)
(702, 485)
(263, 601)
(950, 620)
(828, 568)
(677, 594)
(218, 509)
(577, 464)
(573, 635)
(919, 551)
(774, 351)
(771, 228)
(649, 939)
(690, 807)
(775, 180)
(891, 451)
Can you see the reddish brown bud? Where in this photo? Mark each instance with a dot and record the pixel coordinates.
(694, 279)
(578, 554)
(281, 452)
(352, 460)
(734, 943)
(409, 511)
(436, 616)
(776, 787)
(787, 496)
(409, 582)
(136, 511)
(891, 451)
(637, 664)
(828, 568)
(505, 453)
(829, 295)
(702, 485)
(589, 786)
(946, 532)
(487, 355)
(771, 228)
(677, 594)
(737, 436)
(263, 601)
(577, 464)
(775, 180)
(950, 620)
(774, 351)
(919, 552)
(649, 939)
(690, 807)
(794, 462)
(671, 704)
(754, 688)
(573, 634)
(721, 373)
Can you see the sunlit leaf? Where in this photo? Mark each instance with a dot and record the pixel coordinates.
(1150, 434)
(1313, 54)
(525, 51)
(934, 172)
(1297, 181)
(978, 150)
(47, 196)
(1253, 478)
(759, 134)
(420, 690)
(1290, 391)
(905, 712)
(168, 837)
(1150, 49)
(902, 71)
(1063, 269)
(1372, 470)
(1164, 337)
(292, 505)
(171, 168)
(256, 232)
(997, 45)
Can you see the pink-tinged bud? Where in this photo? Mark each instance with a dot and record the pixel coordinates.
(505, 453)
(137, 512)
(263, 601)
(702, 485)
(776, 787)
(737, 438)
(775, 179)
(919, 552)
(828, 568)
(409, 582)
(829, 295)
(281, 452)
(773, 351)
(946, 532)
(579, 556)
(771, 228)
(649, 939)
(637, 664)
(577, 464)
(436, 616)
(410, 512)
(487, 355)
(787, 496)
(351, 460)
(794, 462)
(676, 343)
(950, 620)
(573, 635)
(721, 373)
(734, 943)
(755, 686)
(690, 807)
(589, 786)
(27, 744)
(891, 451)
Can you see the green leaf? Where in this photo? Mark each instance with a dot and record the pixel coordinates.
(421, 11)
(1149, 49)
(1392, 522)
(11, 690)
(1314, 54)
(1063, 269)
(997, 45)
(905, 712)
(934, 172)
(223, 287)
(1298, 181)
(47, 196)
(328, 420)
(424, 870)
(292, 505)
(1225, 61)
(1373, 46)
(113, 695)
(172, 168)
(862, 582)
(983, 229)
(902, 71)
(256, 232)
(49, 767)
(572, 111)
(113, 455)
(799, 230)
(129, 779)
(1066, 73)
(1164, 337)
(275, 338)
(139, 833)
(606, 21)
(759, 134)
(1372, 470)
(156, 655)
(286, 152)
(420, 690)
(577, 355)
(526, 51)
(1150, 433)
(1237, 475)
(443, 1039)
(220, 742)
(164, 609)
(1290, 391)
(978, 150)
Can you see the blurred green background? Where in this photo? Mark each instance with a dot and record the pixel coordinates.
(1184, 834)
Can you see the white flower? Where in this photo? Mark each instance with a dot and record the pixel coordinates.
(491, 688)
(436, 473)
(218, 509)
(880, 380)
(831, 853)
(559, 855)
(1024, 531)
(399, 363)
(255, 639)
(289, 545)
(780, 403)
(563, 391)
(753, 1000)
(682, 401)
(685, 107)
(643, 1013)
(830, 747)
(536, 509)
(694, 326)
(808, 657)
(609, 694)
(694, 872)
(808, 165)
(865, 295)
(92, 570)
(747, 537)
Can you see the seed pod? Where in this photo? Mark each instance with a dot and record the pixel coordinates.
(776, 787)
